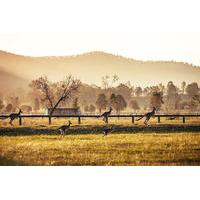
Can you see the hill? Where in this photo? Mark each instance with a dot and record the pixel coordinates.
(10, 82)
(90, 67)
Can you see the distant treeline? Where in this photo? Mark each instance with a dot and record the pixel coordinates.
(123, 97)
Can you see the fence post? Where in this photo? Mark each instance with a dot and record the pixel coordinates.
(106, 119)
(49, 120)
(133, 119)
(158, 119)
(184, 119)
(79, 120)
(20, 120)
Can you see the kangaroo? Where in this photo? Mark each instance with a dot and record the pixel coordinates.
(148, 116)
(63, 128)
(107, 130)
(13, 116)
(105, 114)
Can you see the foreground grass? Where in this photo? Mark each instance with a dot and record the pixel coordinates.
(93, 149)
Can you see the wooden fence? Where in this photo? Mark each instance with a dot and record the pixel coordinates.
(78, 117)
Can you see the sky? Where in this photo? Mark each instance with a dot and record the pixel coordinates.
(140, 29)
(180, 46)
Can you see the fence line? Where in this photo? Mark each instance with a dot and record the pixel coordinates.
(50, 117)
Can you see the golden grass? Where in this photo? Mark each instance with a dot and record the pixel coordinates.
(93, 149)
(33, 122)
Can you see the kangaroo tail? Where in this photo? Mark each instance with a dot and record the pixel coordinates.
(139, 118)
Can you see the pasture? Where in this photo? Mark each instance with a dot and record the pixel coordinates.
(37, 143)
(93, 149)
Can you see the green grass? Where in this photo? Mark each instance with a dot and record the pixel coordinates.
(93, 149)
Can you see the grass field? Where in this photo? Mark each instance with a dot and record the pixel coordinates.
(93, 149)
(34, 122)
(37, 143)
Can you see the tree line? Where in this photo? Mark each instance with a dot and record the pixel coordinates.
(70, 92)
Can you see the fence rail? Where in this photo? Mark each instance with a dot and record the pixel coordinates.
(132, 117)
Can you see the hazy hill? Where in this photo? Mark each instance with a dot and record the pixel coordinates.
(11, 82)
(90, 67)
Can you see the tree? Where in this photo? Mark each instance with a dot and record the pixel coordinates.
(15, 102)
(92, 108)
(121, 103)
(156, 100)
(146, 91)
(172, 95)
(113, 102)
(134, 105)
(138, 91)
(171, 89)
(193, 105)
(36, 105)
(26, 108)
(9, 108)
(124, 90)
(117, 102)
(55, 93)
(192, 89)
(101, 102)
(161, 87)
(86, 109)
(107, 81)
(75, 103)
(196, 98)
(183, 85)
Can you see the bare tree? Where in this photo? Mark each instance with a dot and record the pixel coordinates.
(107, 81)
(55, 93)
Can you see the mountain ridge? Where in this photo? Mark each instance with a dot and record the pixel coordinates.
(96, 53)
(91, 66)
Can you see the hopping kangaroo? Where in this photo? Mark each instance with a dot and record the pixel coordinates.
(148, 116)
(63, 128)
(107, 130)
(105, 114)
(13, 116)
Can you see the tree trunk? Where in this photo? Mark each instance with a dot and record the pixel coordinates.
(55, 106)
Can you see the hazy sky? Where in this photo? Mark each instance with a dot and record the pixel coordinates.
(140, 29)
(146, 46)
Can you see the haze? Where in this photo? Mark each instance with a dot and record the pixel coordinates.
(183, 47)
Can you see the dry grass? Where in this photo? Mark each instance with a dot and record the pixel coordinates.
(34, 122)
(32, 147)
(93, 149)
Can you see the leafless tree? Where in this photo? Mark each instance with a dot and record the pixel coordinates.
(107, 81)
(52, 94)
